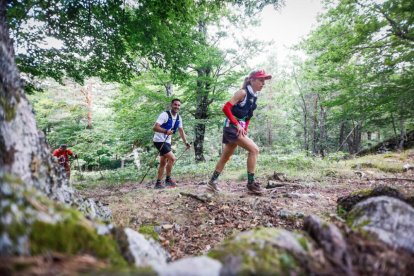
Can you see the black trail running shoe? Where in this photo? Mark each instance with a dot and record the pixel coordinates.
(170, 183)
(159, 185)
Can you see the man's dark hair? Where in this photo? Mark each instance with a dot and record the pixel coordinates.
(173, 100)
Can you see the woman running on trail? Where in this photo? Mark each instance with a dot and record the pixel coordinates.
(238, 111)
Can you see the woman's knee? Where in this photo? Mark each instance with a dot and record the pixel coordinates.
(254, 150)
(225, 158)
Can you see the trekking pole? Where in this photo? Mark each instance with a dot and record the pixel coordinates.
(159, 151)
(176, 160)
(79, 168)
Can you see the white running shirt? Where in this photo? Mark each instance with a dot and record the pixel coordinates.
(163, 118)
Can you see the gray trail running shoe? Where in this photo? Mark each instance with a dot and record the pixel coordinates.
(212, 186)
(255, 188)
(170, 183)
(159, 185)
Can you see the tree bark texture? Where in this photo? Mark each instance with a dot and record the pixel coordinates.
(341, 136)
(269, 132)
(315, 125)
(87, 93)
(201, 116)
(24, 153)
(322, 132)
(403, 134)
(305, 124)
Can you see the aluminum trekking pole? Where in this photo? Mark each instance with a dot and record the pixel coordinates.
(176, 160)
(159, 151)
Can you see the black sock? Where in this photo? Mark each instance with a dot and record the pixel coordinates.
(215, 175)
(250, 177)
(167, 178)
(158, 181)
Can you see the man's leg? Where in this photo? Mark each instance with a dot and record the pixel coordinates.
(169, 166)
(161, 167)
(67, 170)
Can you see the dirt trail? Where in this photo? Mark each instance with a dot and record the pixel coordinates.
(190, 222)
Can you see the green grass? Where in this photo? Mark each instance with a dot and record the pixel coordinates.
(294, 166)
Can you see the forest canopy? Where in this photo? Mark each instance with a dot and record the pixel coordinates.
(354, 88)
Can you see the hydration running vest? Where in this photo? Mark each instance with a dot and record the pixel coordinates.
(245, 112)
(168, 125)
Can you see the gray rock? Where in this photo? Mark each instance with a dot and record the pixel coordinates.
(267, 251)
(93, 209)
(157, 229)
(391, 219)
(332, 242)
(284, 214)
(145, 252)
(194, 266)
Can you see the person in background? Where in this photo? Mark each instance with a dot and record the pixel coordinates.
(238, 112)
(62, 155)
(167, 124)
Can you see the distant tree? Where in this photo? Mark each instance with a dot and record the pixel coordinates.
(362, 60)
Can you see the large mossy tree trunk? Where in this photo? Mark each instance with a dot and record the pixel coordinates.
(27, 171)
(24, 153)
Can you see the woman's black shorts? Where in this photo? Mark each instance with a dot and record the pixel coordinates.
(162, 147)
(229, 135)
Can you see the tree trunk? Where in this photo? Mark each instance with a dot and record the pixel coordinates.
(354, 140)
(393, 124)
(322, 131)
(169, 89)
(305, 124)
(269, 133)
(357, 137)
(403, 133)
(202, 103)
(27, 169)
(341, 136)
(305, 115)
(24, 153)
(87, 92)
(315, 136)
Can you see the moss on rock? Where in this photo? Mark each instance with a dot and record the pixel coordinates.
(149, 231)
(73, 235)
(31, 223)
(346, 203)
(262, 252)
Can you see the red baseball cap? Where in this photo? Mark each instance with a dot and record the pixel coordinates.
(260, 74)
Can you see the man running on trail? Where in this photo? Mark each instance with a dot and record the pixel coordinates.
(167, 124)
(62, 154)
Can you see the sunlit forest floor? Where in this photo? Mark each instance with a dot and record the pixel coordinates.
(189, 221)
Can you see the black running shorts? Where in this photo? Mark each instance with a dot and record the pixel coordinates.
(229, 135)
(163, 148)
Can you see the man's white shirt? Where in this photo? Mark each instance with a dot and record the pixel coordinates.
(163, 118)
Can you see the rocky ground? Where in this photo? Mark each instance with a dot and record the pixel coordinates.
(189, 221)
